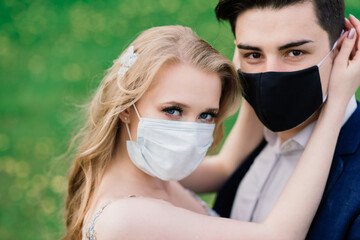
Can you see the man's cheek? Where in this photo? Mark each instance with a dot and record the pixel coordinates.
(325, 72)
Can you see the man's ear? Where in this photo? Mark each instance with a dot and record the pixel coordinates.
(125, 116)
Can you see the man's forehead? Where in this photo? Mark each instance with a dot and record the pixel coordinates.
(278, 27)
(295, 10)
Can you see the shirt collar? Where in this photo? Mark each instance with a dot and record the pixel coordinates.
(303, 137)
(350, 109)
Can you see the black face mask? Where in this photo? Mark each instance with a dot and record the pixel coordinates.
(283, 100)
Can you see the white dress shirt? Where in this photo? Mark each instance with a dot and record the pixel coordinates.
(272, 168)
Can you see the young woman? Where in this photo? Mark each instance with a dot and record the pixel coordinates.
(156, 113)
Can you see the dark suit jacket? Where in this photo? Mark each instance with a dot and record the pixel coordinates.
(338, 216)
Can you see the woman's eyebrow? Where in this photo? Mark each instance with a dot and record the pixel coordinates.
(212, 110)
(177, 104)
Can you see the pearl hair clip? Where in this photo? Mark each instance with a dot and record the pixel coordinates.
(127, 60)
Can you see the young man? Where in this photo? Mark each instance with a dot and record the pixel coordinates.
(284, 46)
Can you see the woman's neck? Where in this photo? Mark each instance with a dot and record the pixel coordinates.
(124, 178)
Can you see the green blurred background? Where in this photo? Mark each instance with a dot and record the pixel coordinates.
(52, 57)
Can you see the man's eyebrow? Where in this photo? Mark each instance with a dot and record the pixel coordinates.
(294, 44)
(286, 46)
(248, 47)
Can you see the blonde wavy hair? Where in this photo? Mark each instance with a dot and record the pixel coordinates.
(97, 138)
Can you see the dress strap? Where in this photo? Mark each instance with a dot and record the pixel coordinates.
(90, 232)
(203, 204)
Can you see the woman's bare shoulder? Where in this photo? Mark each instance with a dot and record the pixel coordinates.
(133, 218)
(147, 218)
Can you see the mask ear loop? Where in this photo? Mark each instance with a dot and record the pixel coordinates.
(127, 126)
(332, 49)
(128, 130)
(137, 113)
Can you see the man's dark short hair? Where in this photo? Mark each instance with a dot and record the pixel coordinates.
(330, 13)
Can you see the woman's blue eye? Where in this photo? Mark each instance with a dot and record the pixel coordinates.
(172, 111)
(207, 116)
(204, 115)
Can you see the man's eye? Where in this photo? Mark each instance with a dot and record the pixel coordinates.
(295, 53)
(253, 55)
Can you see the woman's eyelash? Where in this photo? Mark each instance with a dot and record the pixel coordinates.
(212, 114)
(176, 108)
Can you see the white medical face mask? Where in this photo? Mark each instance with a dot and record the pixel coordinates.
(169, 150)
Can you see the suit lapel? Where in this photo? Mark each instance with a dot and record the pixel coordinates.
(348, 142)
(335, 172)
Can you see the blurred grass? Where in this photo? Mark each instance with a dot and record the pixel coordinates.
(52, 56)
